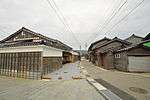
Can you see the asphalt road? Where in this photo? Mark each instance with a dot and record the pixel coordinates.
(128, 86)
(65, 89)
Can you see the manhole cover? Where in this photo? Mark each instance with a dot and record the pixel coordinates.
(138, 90)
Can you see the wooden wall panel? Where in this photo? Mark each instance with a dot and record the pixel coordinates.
(22, 64)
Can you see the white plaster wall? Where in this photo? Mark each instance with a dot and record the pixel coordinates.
(51, 52)
(21, 49)
(46, 51)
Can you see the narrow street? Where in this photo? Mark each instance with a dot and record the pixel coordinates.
(54, 89)
(128, 86)
(66, 72)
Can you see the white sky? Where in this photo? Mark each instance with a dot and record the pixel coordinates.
(83, 16)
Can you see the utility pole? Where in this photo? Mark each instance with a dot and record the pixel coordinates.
(80, 52)
(85, 46)
(80, 49)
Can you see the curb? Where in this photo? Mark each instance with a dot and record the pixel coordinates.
(107, 94)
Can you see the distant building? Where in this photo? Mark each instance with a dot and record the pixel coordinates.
(104, 53)
(28, 54)
(121, 54)
(91, 50)
(133, 58)
(134, 39)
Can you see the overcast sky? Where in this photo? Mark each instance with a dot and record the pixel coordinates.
(85, 18)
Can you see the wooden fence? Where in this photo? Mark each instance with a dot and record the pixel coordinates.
(21, 64)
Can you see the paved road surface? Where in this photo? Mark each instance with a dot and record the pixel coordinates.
(66, 72)
(121, 83)
(68, 89)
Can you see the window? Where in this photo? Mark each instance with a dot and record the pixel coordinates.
(117, 55)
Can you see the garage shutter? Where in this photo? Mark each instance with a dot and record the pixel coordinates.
(139, 63)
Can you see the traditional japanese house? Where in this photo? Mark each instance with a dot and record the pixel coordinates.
(92, 52)
(104, 52)
(75, 56)
(28, 54)
(70, 57)
(131, 54)
(135, 58)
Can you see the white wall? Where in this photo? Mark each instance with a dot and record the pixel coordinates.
(47, 51)
(21, 49)
(51, 52)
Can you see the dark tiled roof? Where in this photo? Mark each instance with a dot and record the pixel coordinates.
(132, 36)
(59, 46)
(133, 46)
(105, 38)
(113, 40)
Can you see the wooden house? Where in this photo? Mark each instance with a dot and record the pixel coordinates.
(70, 57)
(104, 52)
(131, 54)
(28, 54)
(133, 58)
(91, 51)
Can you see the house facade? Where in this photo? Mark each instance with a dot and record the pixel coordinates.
(28, 54)
(70, 56)
(131, 54)
(92, 52)
(104, 53)
(133, 59)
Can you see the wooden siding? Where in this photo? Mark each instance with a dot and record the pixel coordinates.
(139, 51)
(108, 58)
(22, 64)
(122, 62)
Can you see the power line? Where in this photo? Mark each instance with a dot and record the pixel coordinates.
(66, 22)
(125, 16)
(111, 17)
(61, 18)
(57, 14)
(94, 34)
(115, 13)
